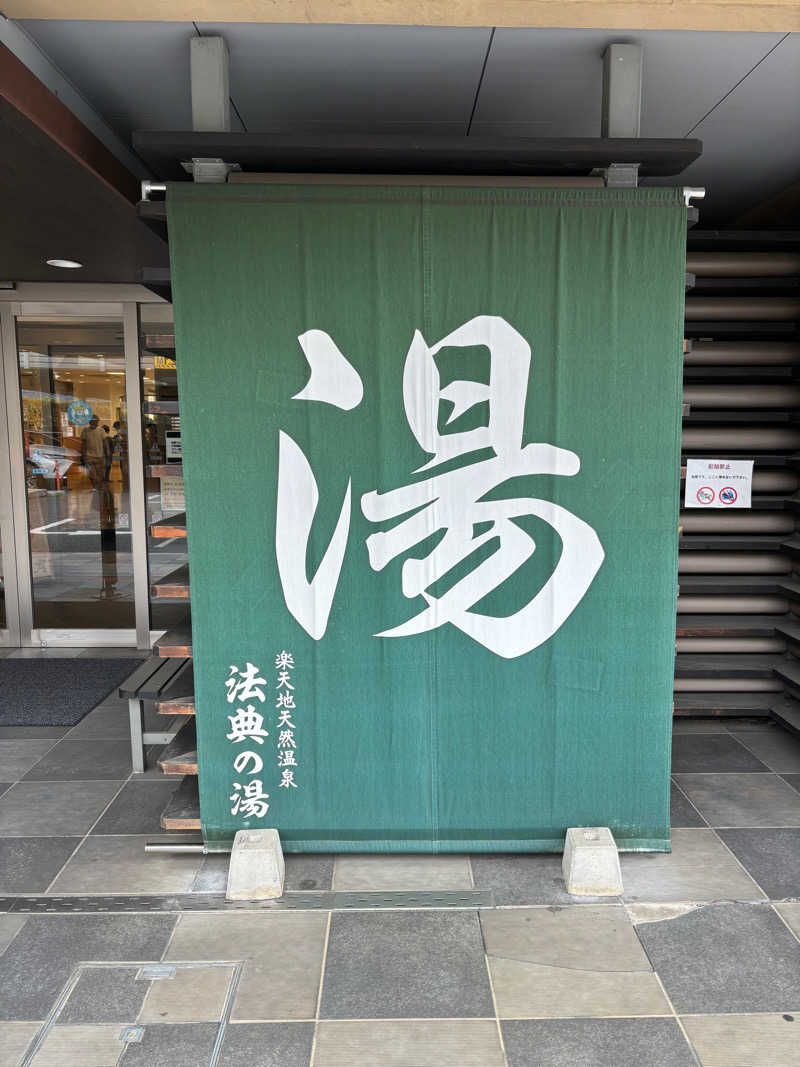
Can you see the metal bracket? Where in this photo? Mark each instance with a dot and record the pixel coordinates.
(208, 169)
(693, 193)
(619, 175)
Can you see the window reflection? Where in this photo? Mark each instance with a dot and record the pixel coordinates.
(72, 380)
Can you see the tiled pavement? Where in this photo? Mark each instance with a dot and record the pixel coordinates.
(697, 964)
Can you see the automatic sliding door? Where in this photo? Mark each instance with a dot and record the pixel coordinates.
(76, 472)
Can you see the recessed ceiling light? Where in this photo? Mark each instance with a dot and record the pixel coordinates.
(67, 264)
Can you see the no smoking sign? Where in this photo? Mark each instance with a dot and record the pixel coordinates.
(718, 483)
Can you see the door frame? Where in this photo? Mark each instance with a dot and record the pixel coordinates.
(67, 301)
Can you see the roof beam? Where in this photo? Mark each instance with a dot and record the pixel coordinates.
(211, 105)
(777, 16)
(622, 90)
(34, 85)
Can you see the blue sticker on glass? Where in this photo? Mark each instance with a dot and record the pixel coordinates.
(79, 413)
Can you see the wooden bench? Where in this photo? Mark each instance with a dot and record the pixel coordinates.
(151, 681)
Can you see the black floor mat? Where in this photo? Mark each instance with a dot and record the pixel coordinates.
(57, 692)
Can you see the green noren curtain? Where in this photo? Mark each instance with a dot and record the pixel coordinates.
(431, 455)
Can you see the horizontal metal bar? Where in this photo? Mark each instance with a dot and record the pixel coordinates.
(727, 685)
(169, 846)
(730, 644)
(149, 187)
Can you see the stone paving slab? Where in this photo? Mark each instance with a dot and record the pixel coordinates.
(137, 808)
(772, 857)
(80, 1046)
(29, 865)
(746, 1040)
(14, 1041)
(402, 1042)
(104, 995)
(790, 913)
(596, 1043)
(283, 953)
(53, 809)
(549, 963)
(682, 812)
(87, 760)
(712, 752)
(120, 865)
(727, 800)
(19, 757)
(517, 879)
(171, 1045)
(10, 926)
(36, 965)
(725, 958)
(415, 964)
(400, 873)
(267, 1045)
(775, 747)
(194, 994)
(699, 868)
(595, 938)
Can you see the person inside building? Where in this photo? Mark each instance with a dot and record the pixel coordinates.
(94, 452)
(108, 449)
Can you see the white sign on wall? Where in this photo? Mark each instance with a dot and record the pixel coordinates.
(718, 483)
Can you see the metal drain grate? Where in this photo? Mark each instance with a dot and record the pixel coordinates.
(290, 901)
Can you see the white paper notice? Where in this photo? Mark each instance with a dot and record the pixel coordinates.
(172, 498)
(718, 483)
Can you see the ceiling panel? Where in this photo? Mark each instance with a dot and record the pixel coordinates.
(548, 83)
(752, 140)
(135, 74)
(352, 74)
(51, 206)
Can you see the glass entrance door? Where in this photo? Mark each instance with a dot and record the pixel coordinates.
(75, 445)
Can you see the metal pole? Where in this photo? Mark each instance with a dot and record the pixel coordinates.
(742, 396)
(742, 308)
(694, 562)
(742, 264)
(7, 541)
(136, 490)
(727, 685)
(730, 645)
(732, 605)
(741, 439)
(695, 521)
(19, 497)
(742, 353)
(178, 846)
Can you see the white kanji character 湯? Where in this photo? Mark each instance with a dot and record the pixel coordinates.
(249, 799)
